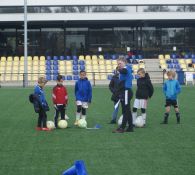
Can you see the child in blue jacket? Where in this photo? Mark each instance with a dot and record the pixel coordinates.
(171, 89)
(83, 95)
(43, 106)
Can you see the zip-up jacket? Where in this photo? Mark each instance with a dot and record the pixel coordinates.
(83, 90)
(113, 86)
(171, 89)
(59, 95)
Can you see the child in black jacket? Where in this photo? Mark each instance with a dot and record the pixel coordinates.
(144, 91)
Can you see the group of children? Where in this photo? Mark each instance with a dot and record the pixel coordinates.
(121, 88)
(83, 96)
(144, 91)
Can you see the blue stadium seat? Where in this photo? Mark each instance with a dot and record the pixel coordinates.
(140, 57)
(75, 62)
(114, 57)
(82, 67)
(75, 67)
(61, 57)
(75, 57)
(81, 62)
(194, 76)
(193, 56)
(173, 56)
(136, 77)
(68, 57)
(55, 62)
(55, 67)
(48, 67)
(186, 56)
(75, 72)
(55, 57)
(75, 77)
(69, 77)
(48, 72)
(48, 58)
(193, 61)
(175, 61)
(48, 62)
(48, 77)
(133, 57)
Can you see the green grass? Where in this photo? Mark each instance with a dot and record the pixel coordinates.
(154, 150)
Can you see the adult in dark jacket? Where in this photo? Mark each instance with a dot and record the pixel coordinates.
(144, 91)
(113, 86)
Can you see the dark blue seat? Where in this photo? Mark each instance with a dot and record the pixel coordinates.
(48, 62)
(173, 56)
(109, 77)
(75, 77)
(75, 58)
(75, 67)
(193, 61)
(193, 56)
(55, 57)
(55, 62)
(61, 57)
(69, 77)
(140, 57)
(75, 62)
(81, 62)
(48, 72)
(55, 67)
(75, 72)
(82, 67)
(114, 57)
(48, 77)
(68, 57)
(48, 58)
(186, 56)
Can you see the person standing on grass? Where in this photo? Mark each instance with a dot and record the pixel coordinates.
(60, 99)
(113, 86)
(144, 91)
(83, 95)
(43, 106)
(171, 89)
(125, 94)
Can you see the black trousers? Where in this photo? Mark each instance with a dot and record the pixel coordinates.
(126, 109)
(42, 119)
(60, 109)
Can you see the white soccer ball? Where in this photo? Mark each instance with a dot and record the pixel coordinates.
(139, 122)
(62, 124)
(50, 125)
(82, 123)
(120, 120)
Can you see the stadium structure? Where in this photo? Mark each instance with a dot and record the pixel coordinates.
(67, 36)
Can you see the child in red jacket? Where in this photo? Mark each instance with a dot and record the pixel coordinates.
(60, 99)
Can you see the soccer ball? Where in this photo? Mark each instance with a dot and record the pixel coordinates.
(139, 122)
(50, 125)
(82, 123)
(120, 120)
(62, 124)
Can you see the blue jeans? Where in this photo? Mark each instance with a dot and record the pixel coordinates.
(115, 112)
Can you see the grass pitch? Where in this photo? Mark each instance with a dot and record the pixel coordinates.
(154, 150)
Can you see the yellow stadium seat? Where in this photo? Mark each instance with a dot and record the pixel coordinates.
(90, 76)
(20, 77)
(108, 66)
(2, 69)
(190, 69)
(21, 58)
(102, 67)
(108, 62)
(101, 57)
(15, 69)
(163, 66)
(3, 64)
(135, 67)
(35, 58)
(81, 57)
(94, 57)
(42, 63)
(35, 63)
(188, 61)
(29, 58)
(109, 71)
(16, 58)
(101, 62)
(88, 62)
(61, 63)
(87, 57)
(14, 77)
(68, 63)
(181, 61)
(183, 66)
(8, 77)
(3, 59)
(162, 61)
(161, 57)
(42, 58)
(142, 66)
(94, 62)
(9, 63)
(42, 68)
(21, 63)
(167, 57)
(114, 62)
(42, 72)
(15, 63)
(35, 77)
(114, 66)
(103, 77)
(97, 77)
(9, 59)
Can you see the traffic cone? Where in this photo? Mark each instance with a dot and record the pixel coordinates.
(77, 169)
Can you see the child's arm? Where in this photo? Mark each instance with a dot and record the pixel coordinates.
(111, 85)
(54, 96)
(90, 92)
(178, 88)
(150, 87)
(164, 88)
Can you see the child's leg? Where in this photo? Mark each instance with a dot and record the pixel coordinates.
(78, 114)
(177, 114)
(83, 116)
(134, 115)
(39, 120)
(166, 115)
(143, 115)
(44, 119)
(56, 116)
(62, 112)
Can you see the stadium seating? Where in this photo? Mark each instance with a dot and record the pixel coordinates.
(12, 68)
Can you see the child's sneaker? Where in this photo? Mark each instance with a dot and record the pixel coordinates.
(46, 129)
(129, 130)
(113, 122)
(38, 129)
(119, 130)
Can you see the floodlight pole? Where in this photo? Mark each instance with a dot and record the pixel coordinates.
(25, 45)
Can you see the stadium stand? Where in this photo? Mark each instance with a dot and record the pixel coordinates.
(96, 66)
